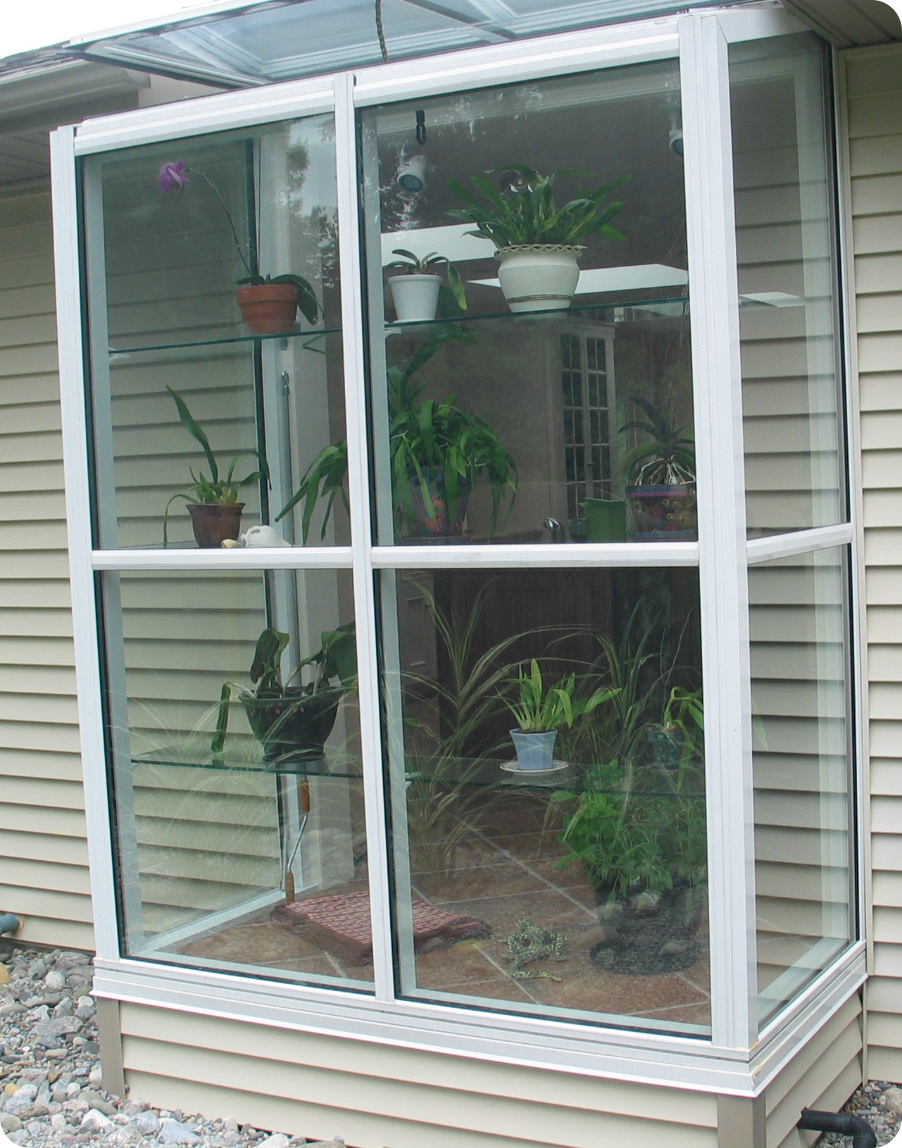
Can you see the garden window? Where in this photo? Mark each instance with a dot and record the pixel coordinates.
(513, 669)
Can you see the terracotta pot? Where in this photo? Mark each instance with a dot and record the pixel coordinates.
(268, 308)
(213, 522)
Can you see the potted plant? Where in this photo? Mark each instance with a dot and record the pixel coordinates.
(269, 304)
(538, 243)
(415, 290)
(540, 711)
(681, 730)
(660, 475)
(292, 721)
(212, 499)
(437, 453)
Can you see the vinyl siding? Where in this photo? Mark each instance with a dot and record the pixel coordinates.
(43, 856)
(372, 1095)
(874, 85)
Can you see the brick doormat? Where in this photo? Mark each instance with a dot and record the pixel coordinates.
(340, 923)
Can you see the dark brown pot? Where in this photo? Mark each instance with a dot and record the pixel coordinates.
(268, 308)
(295, 725)
(213, 522)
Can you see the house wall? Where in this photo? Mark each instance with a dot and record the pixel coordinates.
(43, 856)
(873, 79)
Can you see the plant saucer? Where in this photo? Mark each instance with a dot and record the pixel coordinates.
(512, 767)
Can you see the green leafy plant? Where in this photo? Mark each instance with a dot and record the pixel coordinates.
(682, 725)
(411, 264)
(215, 487)
(526, 211)
(667, 455)
(443, 719)
(424, 435)
(276, 707)
(540, 708)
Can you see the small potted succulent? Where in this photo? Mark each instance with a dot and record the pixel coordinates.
(292, 718)
(660, 475)
(268, 303)
(417, 286)
(212, 499)
(537, 243)
(540, 711)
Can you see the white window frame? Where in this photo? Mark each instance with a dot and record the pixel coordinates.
(736, 1059)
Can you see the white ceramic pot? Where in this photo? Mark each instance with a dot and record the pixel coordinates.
(538, 276)
(415, 296)
(535, 751)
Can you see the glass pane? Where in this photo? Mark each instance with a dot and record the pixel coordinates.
(786, 234)
(239, 823)
(172, 230)
(576, 888)
(507, 376)
(803, 807)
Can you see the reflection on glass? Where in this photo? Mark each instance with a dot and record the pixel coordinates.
(572, 884)
(790, 358)
(800, 708)
(234, 743)
(515, 413)
(181, 227)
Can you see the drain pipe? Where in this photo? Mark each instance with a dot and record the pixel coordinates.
(863, 1135)
(9, 923)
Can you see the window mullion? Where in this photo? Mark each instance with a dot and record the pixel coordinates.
(361, 544)
(722, 530)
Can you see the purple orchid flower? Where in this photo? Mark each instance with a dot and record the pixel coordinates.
(172, 176)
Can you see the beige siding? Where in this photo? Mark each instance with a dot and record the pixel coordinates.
(821, 1077)
(372, 1095)
(874, 83)
(43, 858)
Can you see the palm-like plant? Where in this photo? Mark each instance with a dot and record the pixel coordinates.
(528, 213)
(215, 487)
(539, 708)
(425, 436)
(666, 457)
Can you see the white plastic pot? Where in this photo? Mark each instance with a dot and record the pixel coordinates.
(415, 296)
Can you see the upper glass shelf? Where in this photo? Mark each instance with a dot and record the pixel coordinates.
(612, 311)
(218, 338)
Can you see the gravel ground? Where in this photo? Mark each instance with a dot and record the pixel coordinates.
(879, 1103)
(51, 1085)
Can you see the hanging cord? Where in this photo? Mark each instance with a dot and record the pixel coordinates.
(380, 32)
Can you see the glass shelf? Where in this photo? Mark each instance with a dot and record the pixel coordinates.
(674, 306)
(238, 337)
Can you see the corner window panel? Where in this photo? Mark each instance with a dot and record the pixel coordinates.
(236, 776)
(783, 169)
(803, 805)
(571, 883)
(193, 446)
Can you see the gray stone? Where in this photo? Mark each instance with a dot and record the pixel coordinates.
(892, 1100)
(147, 1123)
(277, 1140)
(93, 1118)
(48, 1033)
(9, 1122)
(174, 1132)
(55, 980)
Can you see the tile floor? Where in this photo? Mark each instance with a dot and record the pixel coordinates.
(505, 870)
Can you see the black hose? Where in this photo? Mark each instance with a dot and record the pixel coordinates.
(863, 1135)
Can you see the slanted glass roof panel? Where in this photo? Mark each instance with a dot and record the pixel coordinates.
(265, 43)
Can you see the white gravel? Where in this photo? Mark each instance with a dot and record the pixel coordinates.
(51, 1084)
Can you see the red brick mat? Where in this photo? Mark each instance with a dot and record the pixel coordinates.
(340, 923)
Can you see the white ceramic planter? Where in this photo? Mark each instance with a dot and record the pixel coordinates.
(415, 296)
(538, 276)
